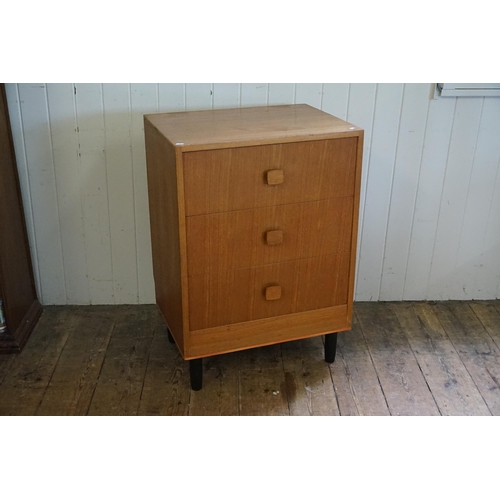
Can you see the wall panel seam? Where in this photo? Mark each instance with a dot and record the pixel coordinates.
(392, 188)
(49, 126)
(107, 192)
(416, 198)
(137, 294)
(497, 180)
(79, 157)
(488, 217)
(367, 161)
(441, 199)
(457, 250)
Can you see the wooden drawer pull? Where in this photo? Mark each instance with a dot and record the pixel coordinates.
(273, 292)
(275, 177)
(274, 237)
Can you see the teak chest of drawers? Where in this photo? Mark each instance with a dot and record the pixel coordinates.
(254, 224)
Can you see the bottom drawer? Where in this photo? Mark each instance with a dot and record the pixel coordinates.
(266, 331)
(237, 296)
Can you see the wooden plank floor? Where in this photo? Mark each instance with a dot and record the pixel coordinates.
(400, 358)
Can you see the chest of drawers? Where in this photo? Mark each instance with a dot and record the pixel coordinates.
(253, 223)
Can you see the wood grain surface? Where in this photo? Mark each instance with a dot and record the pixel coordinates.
(262, 332)
(405, 388)
(454, 391)
(400, 358)
(223, 127)
(166, 231)
(477, 349)
(240, 239)
(252, 231)
(236, 178)
(237, 296)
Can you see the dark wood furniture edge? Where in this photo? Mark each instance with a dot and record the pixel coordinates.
(9, 342)
(3, 94)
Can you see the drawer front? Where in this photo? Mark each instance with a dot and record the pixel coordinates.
(223, 180)
(237, 296)
(252, 238)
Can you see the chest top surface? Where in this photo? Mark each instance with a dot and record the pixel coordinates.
(255, 125)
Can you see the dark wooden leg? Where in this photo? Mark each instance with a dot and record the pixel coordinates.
(330, 347)
(170, 338)
(196, 372)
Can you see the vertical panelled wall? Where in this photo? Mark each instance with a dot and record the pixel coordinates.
(430, 205)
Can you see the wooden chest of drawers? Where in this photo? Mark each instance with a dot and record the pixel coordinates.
(253, 223)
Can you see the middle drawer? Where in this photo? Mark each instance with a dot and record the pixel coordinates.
(269, 235)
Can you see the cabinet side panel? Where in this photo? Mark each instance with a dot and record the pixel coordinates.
(17, 287)
(164, 217)
(355, 220)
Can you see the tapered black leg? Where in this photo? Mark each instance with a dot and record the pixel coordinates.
(330, 347)
(196, 372)
(170, 338)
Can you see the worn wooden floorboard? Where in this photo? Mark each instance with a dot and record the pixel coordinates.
(220, 394)
(475, 347)
(75, 377)
(404, 386)
(23, 387)
(262, 384)
(363, 386)
(452, 387)
(399, 359)
(120, 384)
(6, 361)
(166, 382)
(308, 382)
(341, 380)
(488, 313)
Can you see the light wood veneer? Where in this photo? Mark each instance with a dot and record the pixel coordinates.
(254, 223)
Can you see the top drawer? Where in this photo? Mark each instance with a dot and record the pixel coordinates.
(223, 180)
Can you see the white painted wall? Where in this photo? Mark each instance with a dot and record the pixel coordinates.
(430, 214)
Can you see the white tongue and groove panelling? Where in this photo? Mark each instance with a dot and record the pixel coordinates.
(430, 200)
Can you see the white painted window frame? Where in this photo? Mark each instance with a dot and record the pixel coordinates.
(468, 89)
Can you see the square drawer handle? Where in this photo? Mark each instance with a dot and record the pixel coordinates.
(275, 177)
(274, 237)
(273, 292)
